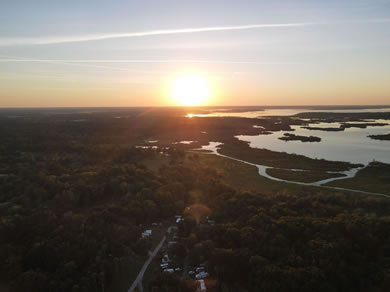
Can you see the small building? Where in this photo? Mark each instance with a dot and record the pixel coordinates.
(211, 222)
(165, 259)
(178, 219)
(171, 244)
(147, 233)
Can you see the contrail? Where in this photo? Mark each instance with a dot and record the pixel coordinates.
(96, 37)
(75, 61)
(85, 38)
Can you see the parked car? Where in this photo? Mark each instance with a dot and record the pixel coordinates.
(164, 266)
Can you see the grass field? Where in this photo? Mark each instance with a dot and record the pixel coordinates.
(245, 177)
(155, 163)
(373, 178)
(241, 150)
(301, 176)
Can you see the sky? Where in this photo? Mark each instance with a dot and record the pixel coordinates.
(126, 53)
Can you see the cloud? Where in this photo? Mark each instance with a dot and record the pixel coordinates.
(96, 37)
(78, 61)
(96, 64)
(18, 41)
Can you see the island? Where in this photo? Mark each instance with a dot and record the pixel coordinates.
(328, 129)
(384, 137)
(344, 126)
(362, 125)
(293, 137)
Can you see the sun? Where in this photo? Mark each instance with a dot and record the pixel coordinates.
(190, 89)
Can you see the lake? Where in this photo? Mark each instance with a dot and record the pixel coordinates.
(351, 145)
(283, 112)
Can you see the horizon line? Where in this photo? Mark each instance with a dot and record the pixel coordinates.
(200, 106)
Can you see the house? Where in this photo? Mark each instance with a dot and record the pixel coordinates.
(171, 244)
(165, 259)
(211, 222)
(178, 219)
(147, 233)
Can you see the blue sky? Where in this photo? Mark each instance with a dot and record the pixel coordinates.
(75, 53)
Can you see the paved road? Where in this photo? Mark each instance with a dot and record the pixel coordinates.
(140, 276)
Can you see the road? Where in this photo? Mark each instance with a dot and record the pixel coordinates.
(185, 266)
(140, 276)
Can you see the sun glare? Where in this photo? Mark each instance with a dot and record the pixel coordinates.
(190, 90)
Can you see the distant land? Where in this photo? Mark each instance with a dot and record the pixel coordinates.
(87, 193)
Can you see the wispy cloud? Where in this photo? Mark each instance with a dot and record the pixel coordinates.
(18, 41)
(101, 64)
(76, 63)
(96, 37)
(142, 61)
